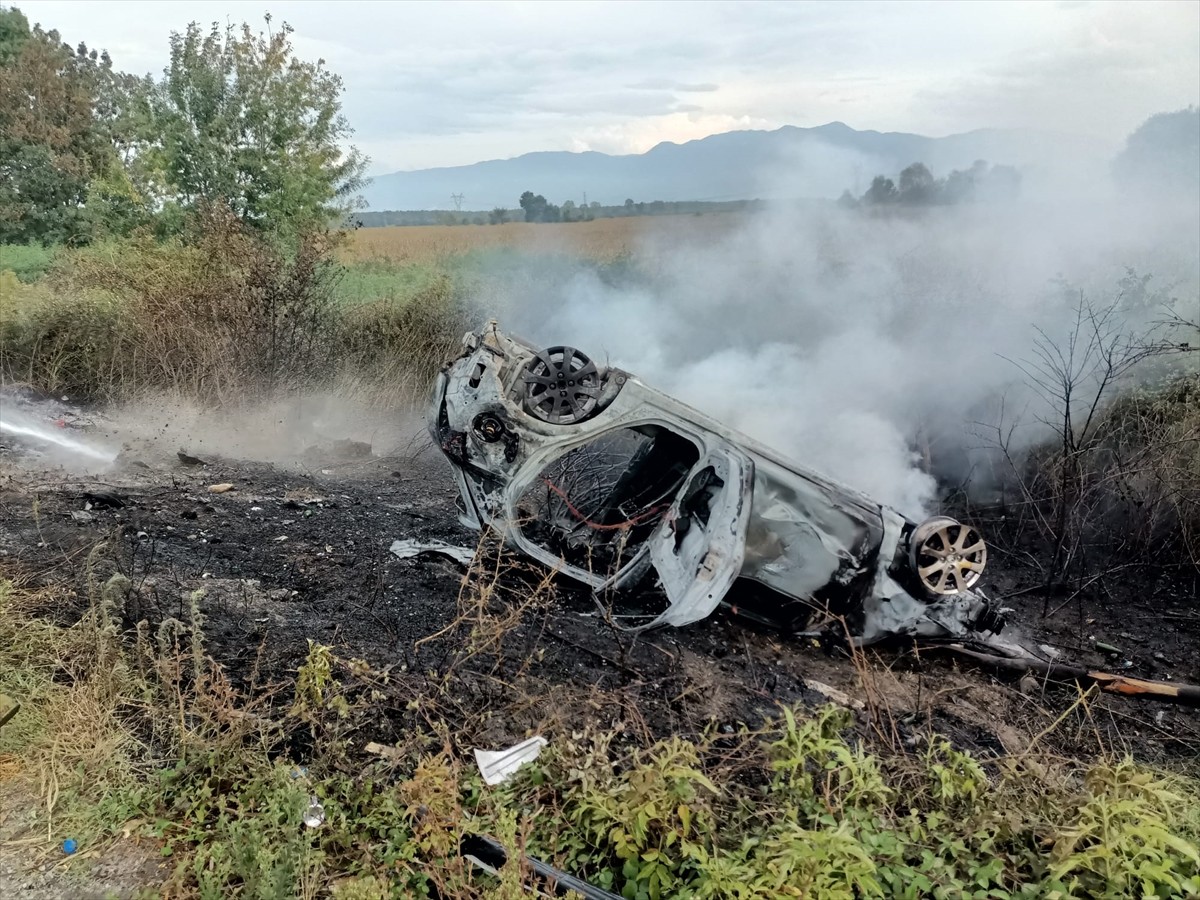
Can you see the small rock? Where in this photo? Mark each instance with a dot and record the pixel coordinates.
(222, 488)
(83, 517)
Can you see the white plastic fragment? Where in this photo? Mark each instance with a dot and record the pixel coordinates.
(497, 766)
(409, 548)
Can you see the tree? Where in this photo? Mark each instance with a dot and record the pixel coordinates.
(537, 209)
(54, 147)
(882, 190)
(917, 185)
(498, 216)
(238, 119)
(14, 32)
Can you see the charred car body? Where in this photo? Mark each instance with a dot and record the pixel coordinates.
(590, 471)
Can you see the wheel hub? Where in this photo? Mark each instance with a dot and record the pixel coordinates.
(562, 385)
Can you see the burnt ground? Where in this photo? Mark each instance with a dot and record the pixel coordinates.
(299, 552)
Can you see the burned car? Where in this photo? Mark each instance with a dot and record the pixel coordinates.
(667, 514)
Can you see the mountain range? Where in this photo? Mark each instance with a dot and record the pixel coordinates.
(786, 163)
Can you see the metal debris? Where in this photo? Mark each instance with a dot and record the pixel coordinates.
(408, 548)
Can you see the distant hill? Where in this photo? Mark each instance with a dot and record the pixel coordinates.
(789, 162)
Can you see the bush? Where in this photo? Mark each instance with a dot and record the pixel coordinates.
(221, 316)
(28, 262)
(389, 350)
(1150, 465)
(80, 347)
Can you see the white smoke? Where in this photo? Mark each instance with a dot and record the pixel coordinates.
(849, 341)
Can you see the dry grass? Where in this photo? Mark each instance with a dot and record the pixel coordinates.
(600, 240)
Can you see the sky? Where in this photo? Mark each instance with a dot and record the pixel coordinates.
(451, 83)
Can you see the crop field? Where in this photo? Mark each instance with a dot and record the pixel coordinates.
(599, 240)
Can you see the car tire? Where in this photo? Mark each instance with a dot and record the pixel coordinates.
(562, 386)
(947, 557)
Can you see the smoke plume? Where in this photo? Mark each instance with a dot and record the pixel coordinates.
(866, 346)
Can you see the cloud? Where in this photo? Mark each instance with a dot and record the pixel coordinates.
(685, 123)
(666, 84)
(543, 76)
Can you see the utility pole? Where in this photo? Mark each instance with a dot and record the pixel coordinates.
(458, 199)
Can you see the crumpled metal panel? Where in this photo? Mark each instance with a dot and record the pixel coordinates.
(801, 538)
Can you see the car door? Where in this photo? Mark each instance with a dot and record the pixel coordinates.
(699, 548)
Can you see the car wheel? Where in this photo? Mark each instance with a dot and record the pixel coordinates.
(947, 556)
(562, 386)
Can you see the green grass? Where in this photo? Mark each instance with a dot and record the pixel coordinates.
(375, 281)
(28, 262)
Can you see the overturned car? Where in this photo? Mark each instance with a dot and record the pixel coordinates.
(590, 471)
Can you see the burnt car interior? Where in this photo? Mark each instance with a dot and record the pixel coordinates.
(596, 504)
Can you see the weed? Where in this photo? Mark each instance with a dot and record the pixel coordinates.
(150, 730)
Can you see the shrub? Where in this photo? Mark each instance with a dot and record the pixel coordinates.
(28, 262)
(221, 316)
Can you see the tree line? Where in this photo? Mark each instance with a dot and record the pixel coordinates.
(568, 211)
(918, 187)
(88, 151)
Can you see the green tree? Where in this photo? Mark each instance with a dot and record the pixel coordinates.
(537, 209)
(14, 32)
(238, 119)
(52, 145)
